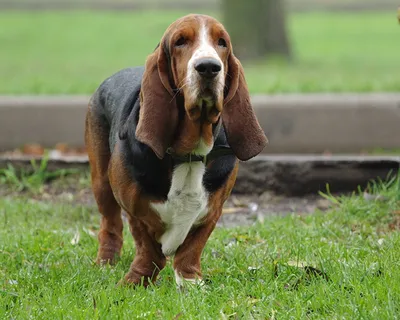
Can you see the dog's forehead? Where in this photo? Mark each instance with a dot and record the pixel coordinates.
(193, 22)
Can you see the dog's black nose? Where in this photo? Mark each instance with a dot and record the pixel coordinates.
(208, 67)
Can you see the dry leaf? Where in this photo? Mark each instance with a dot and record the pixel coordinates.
(372, 197)
(62, 147)
(75, 240)
(297, 264)
(231, 242)
(237, 203)
(178, 316)
(253, 301)
(253, 269)
(33, 149)
(89, 232)
(323, 204)
(231, 210)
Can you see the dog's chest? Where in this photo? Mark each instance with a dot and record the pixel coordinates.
(186, 205)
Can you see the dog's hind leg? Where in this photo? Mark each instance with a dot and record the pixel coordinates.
(110, 234)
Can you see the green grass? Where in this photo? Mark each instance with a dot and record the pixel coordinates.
(250, 272)
(72, 52)
(32, 179)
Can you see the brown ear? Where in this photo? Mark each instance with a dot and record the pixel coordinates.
(243, 131)
(158, 115)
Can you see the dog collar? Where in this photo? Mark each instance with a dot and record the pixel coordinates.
(216, 152)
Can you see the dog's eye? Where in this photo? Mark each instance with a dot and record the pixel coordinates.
(222, 42)
(180, 42)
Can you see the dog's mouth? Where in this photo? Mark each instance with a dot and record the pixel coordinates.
(206, 110)
(207, 104)
(208, 88)
(209, 94)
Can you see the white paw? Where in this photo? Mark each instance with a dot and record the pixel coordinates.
(182, 282)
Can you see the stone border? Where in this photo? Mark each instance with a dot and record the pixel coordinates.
(293, 175)
(294, 123)
(305, 174)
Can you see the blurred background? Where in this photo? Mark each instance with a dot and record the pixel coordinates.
(69, 47)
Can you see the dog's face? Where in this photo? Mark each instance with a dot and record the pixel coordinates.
(199, 47)
(195, 60)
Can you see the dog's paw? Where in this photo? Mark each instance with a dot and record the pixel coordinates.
(183, 283)
(107, 257)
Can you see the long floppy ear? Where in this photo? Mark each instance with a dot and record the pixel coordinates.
(158, 115)
(243, 131)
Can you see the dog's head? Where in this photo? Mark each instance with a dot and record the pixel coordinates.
(194, 61)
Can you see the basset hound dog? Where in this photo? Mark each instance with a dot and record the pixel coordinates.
(164, 141)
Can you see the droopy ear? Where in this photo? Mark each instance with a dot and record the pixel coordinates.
(158, 115)
(243, 131)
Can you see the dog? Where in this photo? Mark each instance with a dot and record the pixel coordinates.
(164, 142)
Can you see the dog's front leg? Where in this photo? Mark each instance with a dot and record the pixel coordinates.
(149, 259)
(187, 258)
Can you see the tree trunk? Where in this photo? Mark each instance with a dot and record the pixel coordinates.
(257, 27)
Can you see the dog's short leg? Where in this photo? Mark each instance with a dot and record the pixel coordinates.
(187, 257)
(149, 259)
(110, 234)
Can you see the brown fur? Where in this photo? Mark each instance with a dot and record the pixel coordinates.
(245, 135)
(158, 111)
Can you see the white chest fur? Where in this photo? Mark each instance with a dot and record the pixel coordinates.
(186, 205)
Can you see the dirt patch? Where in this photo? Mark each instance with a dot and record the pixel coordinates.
(246, 210)
(238, 210)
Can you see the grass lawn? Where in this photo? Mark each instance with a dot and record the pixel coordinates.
(259, 272)
(72, 52)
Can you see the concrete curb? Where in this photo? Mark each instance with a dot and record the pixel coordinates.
(305, 174)
(281, 174)
(340, 123)
(311, 123)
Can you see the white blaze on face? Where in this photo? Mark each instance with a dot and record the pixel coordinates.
(205, 49)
